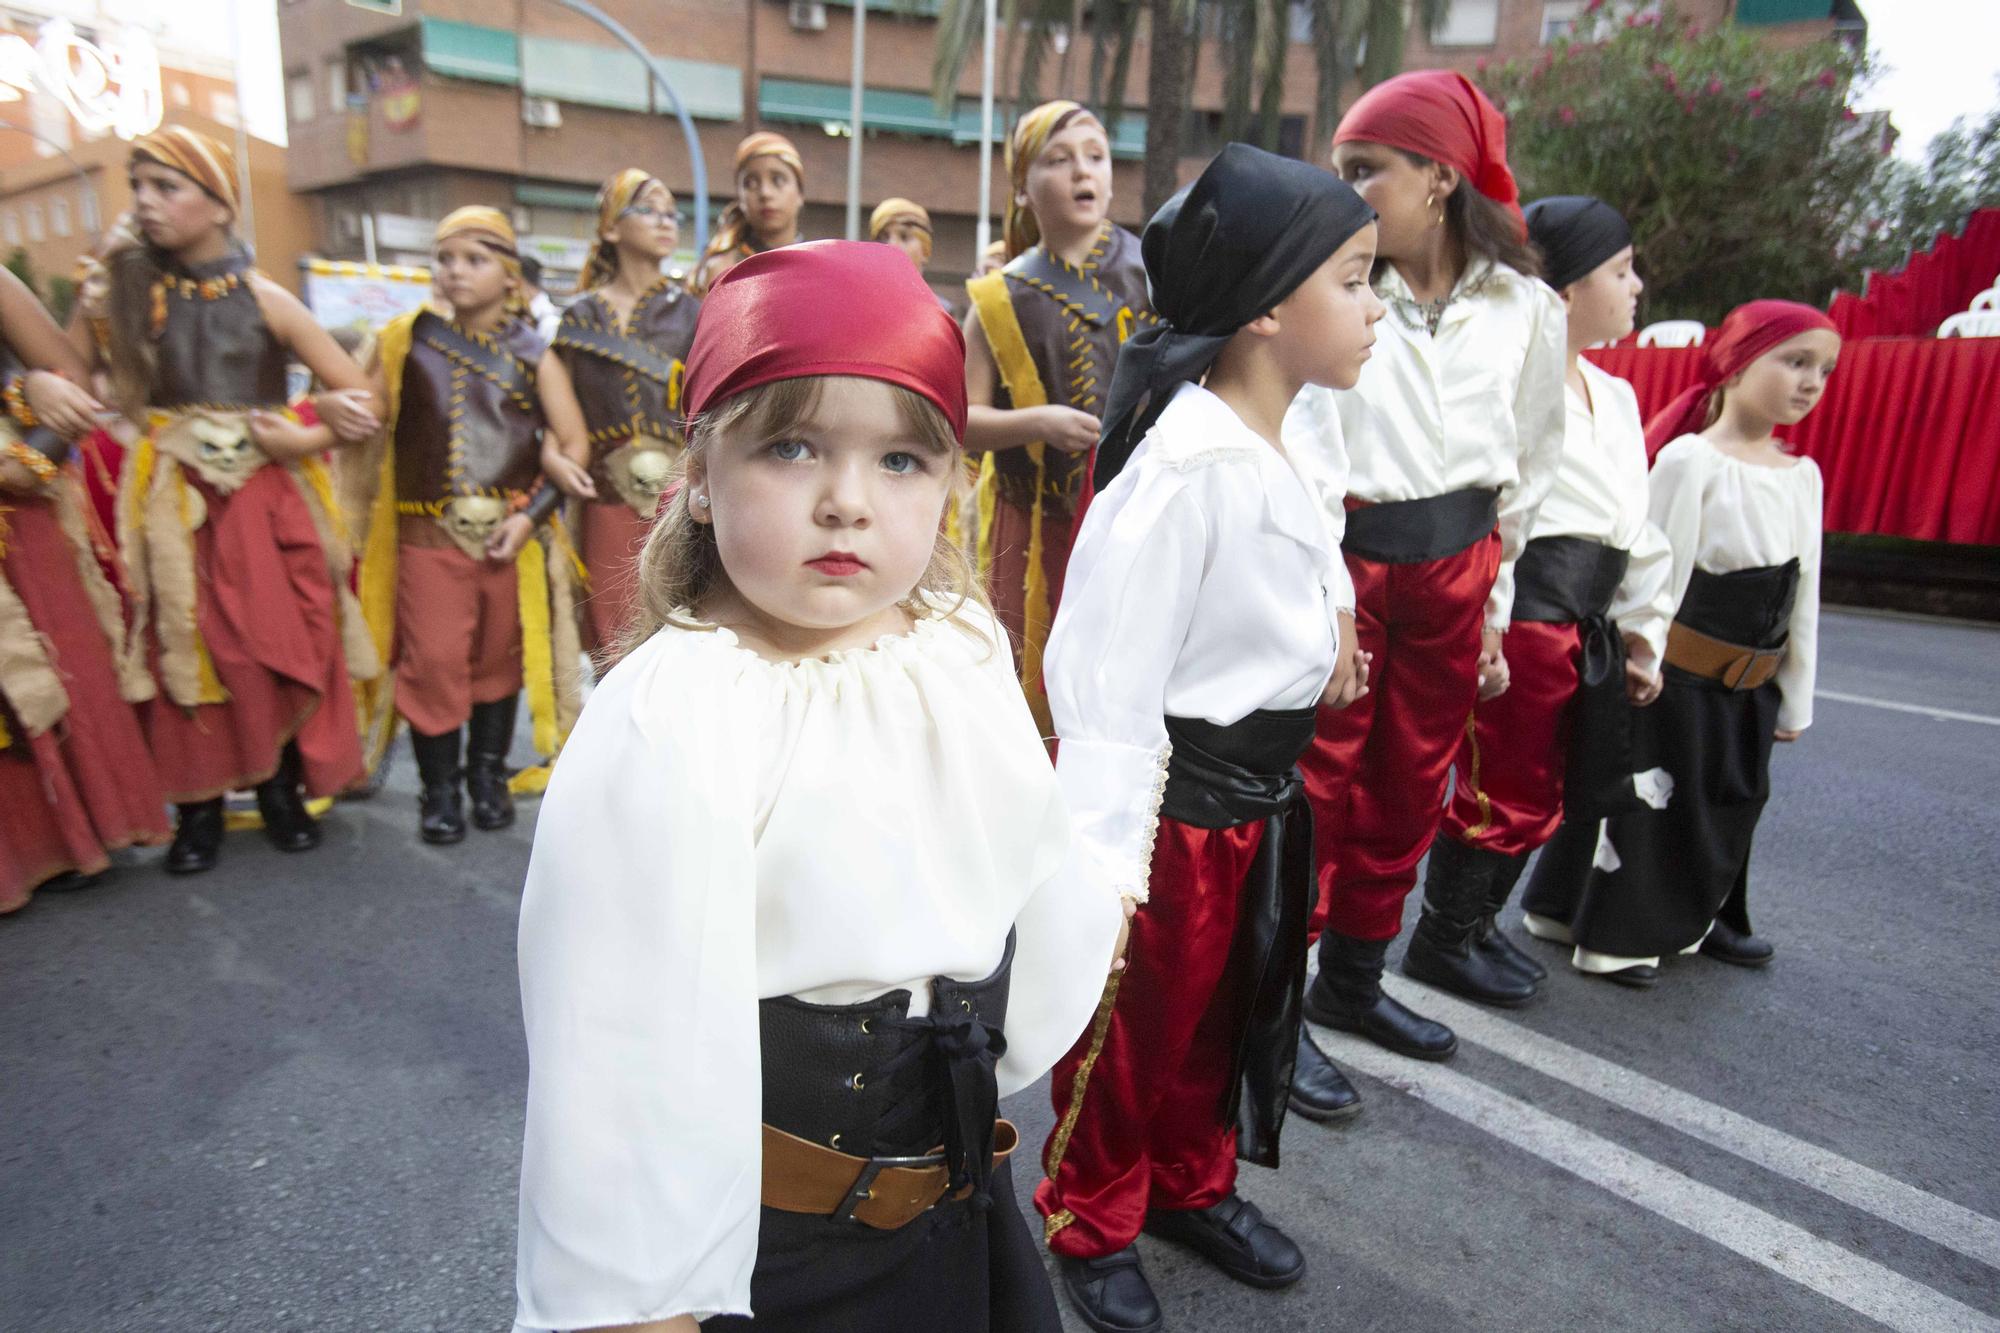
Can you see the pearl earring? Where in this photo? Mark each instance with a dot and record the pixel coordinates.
(701, 500)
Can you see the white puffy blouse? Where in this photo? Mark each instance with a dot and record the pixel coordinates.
(1722, 514)
(1205, 583)
(723, 829)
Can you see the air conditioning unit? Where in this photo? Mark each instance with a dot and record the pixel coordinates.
(807, 15)
(544, 113)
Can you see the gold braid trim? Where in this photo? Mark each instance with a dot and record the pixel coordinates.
(1472, 779)
(1100, 1028)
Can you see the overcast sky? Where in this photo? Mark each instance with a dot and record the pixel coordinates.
(1941, 57)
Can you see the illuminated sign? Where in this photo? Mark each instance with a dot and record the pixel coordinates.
(114, 87)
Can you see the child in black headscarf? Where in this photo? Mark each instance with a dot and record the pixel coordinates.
(1207, 615)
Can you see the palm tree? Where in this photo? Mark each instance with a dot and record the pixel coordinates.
(1256, 34)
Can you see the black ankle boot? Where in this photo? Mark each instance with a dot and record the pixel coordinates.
(1319, 1090)
(487, 742)
(1111, 1293)
(1490, 938)
(286, 823)
(441, 807)
(1347, 994)
(1441, 948)
(197, 838)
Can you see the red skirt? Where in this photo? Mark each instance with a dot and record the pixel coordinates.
(87, 786)
(612, 536)
(267, 610)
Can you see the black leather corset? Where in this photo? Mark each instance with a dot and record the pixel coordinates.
(870, 1081)
(1750, 607)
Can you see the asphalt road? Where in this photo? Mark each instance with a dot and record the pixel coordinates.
(288, 1095)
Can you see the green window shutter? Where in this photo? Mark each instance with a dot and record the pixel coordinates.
(923, 9)
(556, 196)
(584, 74)
(801, 103)
(1756, 12)
(469, 51)
(708, 90)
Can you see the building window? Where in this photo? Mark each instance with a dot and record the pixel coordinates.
(222, 107)
(299, 96)
(1468, 23)
(10, 228)
(91, 222)
(180, 94)
(336, 82)
(1558, 17)
(35, 231)
(59, 217)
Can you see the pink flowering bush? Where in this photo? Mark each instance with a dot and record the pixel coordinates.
(1741, 167)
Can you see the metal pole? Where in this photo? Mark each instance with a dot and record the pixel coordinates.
(856, 80)
(982, 234)
(697, 164)
(247, 214)
(368, 238)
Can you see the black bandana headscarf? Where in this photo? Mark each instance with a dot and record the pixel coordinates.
(1223, 251)
(1575, 234)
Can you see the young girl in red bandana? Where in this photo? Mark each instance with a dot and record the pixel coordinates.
(794, 919)
(1742, 514)
(1450, 440)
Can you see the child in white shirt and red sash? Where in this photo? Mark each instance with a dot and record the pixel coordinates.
(1450, 441)
(1207, 618)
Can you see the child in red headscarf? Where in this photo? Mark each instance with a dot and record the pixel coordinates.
(1451, 440)
(799, 865)
(1743, 516)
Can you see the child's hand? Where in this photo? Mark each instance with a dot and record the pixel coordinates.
(1787, 736)
(508, 539)
(1493, 677)
(1350, 669)
(1641, 688)
(570, 476)
(350, 413)
(65, 408)
(282, 439)
(1069, 430)
(1124, 935)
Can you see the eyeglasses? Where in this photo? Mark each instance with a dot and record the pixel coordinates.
(651, 214)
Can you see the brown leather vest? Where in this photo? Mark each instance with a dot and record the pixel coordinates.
(1073, 352)
(215, 349)
(469, 422)
(620, 397)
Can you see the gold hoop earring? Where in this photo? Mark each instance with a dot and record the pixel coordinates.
(1430, 202)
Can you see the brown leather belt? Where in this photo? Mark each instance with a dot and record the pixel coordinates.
(801, 1176)
(1737, 667)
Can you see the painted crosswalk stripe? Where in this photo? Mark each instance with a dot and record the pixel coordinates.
(1881, 1196)
(1860, 1284)
(1896, 706)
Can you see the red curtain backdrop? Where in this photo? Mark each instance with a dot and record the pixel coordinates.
(1934, 285)
(1908, 435)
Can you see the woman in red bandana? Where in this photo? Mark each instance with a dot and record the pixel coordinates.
(1450, 440)
(795, 918)
(1743, 516)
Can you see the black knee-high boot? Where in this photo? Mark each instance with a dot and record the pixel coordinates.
(1491, 939)
(287, 824)
(1443, 951)
(441, 807)
(488, 740)
(1347, 994)
(197, 837)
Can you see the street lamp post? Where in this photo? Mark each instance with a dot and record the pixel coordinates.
(696, 163)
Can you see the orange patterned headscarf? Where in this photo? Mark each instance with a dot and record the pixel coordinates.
(1032, 134)
(766, 144)
(196, 156)
(732, 226)
(900, 210)
(613, 198)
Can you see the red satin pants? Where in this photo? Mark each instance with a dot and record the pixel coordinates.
(1508, 796)
(1376, 770)
(1138, 1099)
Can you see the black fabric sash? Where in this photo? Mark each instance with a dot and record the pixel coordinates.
(1224, 777)
(1571, 580)
(1751, 607)
(489, 359)
(1408, 532)
(619, 350)
(1074, 292)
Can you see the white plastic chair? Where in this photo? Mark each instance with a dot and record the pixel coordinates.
(1971, 324)
(1986, 300)
(1673, 333)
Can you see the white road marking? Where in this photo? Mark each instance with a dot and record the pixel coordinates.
(1921, 710)
(1860, 1284)
(1882, 1196)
